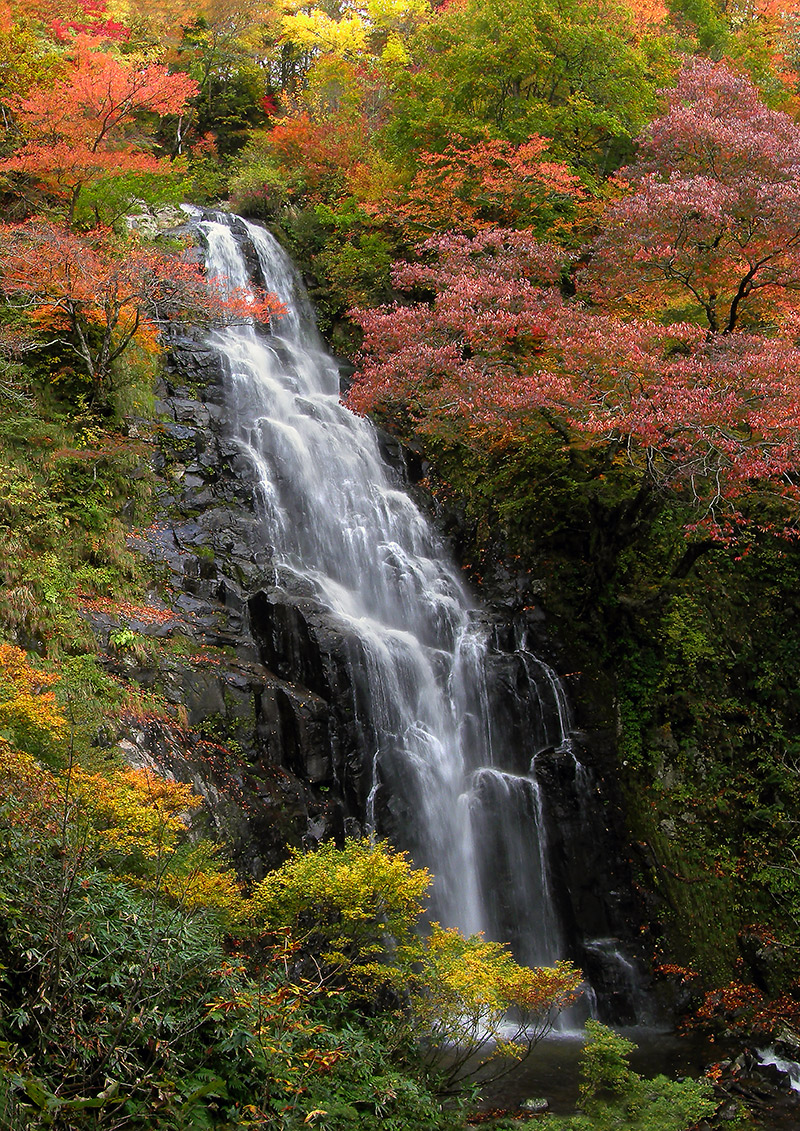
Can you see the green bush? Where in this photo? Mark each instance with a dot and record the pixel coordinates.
(615, 1098)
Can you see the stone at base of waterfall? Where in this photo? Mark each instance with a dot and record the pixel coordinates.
(534, 1105)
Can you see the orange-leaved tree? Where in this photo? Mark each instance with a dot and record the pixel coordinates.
(88, 124)
(472, 187)
(93, 294)
(28, 707)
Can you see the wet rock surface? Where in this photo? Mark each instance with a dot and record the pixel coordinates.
(255, 745)
(764, 1089)
(276, 737)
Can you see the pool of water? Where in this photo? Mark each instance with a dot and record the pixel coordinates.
(551, 1071)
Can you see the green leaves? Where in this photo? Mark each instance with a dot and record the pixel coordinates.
(615, 1098)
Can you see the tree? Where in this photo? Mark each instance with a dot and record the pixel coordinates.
(25, 62)
(469, 187)
(356, 913)
(375, 30)
(474, 1003)
(576, 72)
(89, 18)
(495, 361)
(342, 904)
(710, 211)
(83, 126)
(93, 294)
(28, 712)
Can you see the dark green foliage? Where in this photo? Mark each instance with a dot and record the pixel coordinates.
(229, 102)
(698, 641)
(115, 1001)
(615, 1098)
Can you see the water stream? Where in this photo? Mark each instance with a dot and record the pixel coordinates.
(452, 724)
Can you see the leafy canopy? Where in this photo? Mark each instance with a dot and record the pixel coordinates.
(79, 128)
(710, 211)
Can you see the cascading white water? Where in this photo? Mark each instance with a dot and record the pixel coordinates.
(348, 540)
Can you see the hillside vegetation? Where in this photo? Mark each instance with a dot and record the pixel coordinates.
(559, 244)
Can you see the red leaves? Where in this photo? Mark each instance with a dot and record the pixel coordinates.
(486, 319)
(96, 293)
(494, 357)
(80, 127)
(713, 208)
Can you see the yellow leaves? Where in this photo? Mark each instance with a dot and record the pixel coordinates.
(344, 903)
(145, 817)
(202, 880)
(379, 27)
(316, 31)
(361, 882)
(357, 911)
(466, 976)
(25, 703)
(135, 814)
(394, 53)
(392, 13)
(467, 990)
(30, 796)
(136, 810)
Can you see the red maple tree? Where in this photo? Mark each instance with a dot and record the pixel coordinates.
(710, 211)
(93, 294)
(495, 359)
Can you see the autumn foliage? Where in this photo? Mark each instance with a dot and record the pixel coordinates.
(94, 294)
(80, 128)
(27, 701)
(491, 183)
(709, 215)
(358, 910)
(495, 357)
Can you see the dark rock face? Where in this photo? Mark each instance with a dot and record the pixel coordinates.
(271, 740)
(276, 739)
(255, 746)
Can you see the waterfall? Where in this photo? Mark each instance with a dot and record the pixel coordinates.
(451, 725)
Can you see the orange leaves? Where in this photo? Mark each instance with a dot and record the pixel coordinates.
(647, 13)
(26, 704)
(102, 94)
(741, 1008)
(133, 818)
(324, 157)
(136, 810)
(473, 187)
(127, 611)
(79, 127)
(99, 292)
(131, 813)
